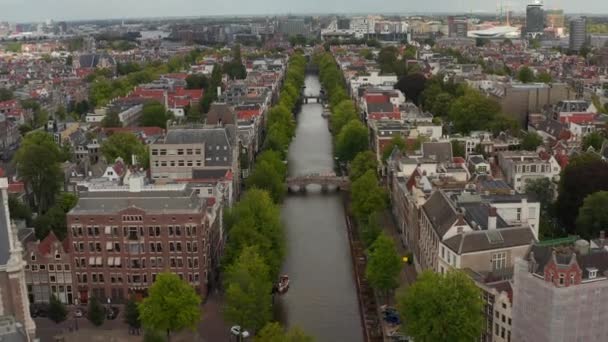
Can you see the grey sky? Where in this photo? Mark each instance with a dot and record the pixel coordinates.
(32, 10)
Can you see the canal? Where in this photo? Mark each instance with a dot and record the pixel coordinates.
(322, 298)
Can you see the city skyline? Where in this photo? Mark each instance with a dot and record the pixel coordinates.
(39, 10)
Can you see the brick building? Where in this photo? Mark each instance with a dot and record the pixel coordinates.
(123, 236)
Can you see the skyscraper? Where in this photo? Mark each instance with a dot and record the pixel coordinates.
(578, 33)
(535, 19)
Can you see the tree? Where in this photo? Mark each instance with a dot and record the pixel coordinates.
(37, 162)
(125, 145)
(154, 115)
(396, 142)
(266, 176)
(235, 69)
(387, 60)
(544, 77)
(525, 75)
(531, 141)
(196, 81)
(95, 312)
(458, 149)
(363, 162)
(342, 113)
(54, 219)
(248, 291)
(351, 140)
(442, 307)
(369, 229)
(383, 266)
(473, 111)
(273, 332)
(584, 175)
(6, 94)
(194, 114)
(593, 216)
(111, 120)
(57, 310)
(542, 189)
(594, 139)
(367, 196)
(132, 315)
(19, 210)
(412, 86)
(172, 305)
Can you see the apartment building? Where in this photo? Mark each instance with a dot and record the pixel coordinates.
(518, 167)
(123, 236)
(560, 293)
(497, 295)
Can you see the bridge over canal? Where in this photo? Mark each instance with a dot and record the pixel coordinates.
(325, 180)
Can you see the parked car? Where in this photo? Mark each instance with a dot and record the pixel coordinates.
(78, 313)
(39, 310)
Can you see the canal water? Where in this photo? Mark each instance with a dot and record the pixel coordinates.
(322, 298)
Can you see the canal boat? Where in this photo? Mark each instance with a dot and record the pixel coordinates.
(283, 285)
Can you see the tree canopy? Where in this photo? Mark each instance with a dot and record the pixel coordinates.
(95, 312)
(593, 216)
(473, 111)
(273, 332)
(353, 138)
(384, 265)
(57, 310)
(412, 85)
(172, 305)
(125, 145)
(525, 75)
(594, 139)
(269, 174)
(531, 141)
(396, 142)
(154, 115)
(441, 307)
(363, 162)
(367, 196)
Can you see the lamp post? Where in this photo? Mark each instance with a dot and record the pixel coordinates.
(75, 317)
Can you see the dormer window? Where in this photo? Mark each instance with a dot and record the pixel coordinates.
(57, 256)
(592, 272)
(33, 257)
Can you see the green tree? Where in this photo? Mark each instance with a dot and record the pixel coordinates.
(37, 162)
(266, 176)
(95, 312)
(6, 94)
(441, 104)
(531, 141)
(387, 59)
(342, 113)
(351, 140)
(57, 310)
(196, 81)
(19, 210)
(584, 175)
(248, 291)
(363, 162)
(525, 75)
(172, 305)
(111, 120)
(383, 266)
(125, 145)
(440, 307)
(412, 85)
(273, 332)
(396, 142)
(542, 189)
(458, 149)
(132, 315)
(370, 229)
(544, 77)
(194, 114)
(594, 139)
(367, 196)
(154, 115)
(593, 216)
(473, 111)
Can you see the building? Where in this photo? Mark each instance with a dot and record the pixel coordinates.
(535, 19)
(294, 27)
(578, 33)
(123, 236)
(497, 295)
(560, 292)
(13, 291)
(48, 271)
(555, 18)
(458, 27)
(519, 167)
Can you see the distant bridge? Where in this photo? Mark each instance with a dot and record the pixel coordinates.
(325, 180)
(317, 98)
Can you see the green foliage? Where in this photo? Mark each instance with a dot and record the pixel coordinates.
(172, 305)
(37, 162)
(255, 221)
(235, 69)
(363, 162)
(352, 139)
(95, 312)
(525, 75)
(367, 196)
(54, 219)
(458, 149)
(384, 265)
(387, 60)
(269, 174)
(473, 111)
(584, 175)
(442, 308)
(124, 145)
(273, 332)
(594, 139)
(196, 81)
(127, 68)
(542, 189)
(370, 229)
(6, 94)
(593, 216)
(75, 44)
(531, 141)
(544, 77)
(57, 310)
(412, 85)
(396, 142)
(13, 47)
(111, 120)
(342, 113)
(19, 210)
(248, 291)
(132, 314)
(154, 115)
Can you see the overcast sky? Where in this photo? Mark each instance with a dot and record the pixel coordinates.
(34, 10)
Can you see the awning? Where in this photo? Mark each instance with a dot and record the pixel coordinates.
(111, 261)
(99, 262)
(91, 261)
(108, 246)
(108, 230)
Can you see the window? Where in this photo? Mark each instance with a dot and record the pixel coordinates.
(180, 163)
(499, 261)
(496, 329)
(503, 318)
(180, 151)
(502, 332)
(504, 306)
(154, 152)
(562, 278)
(497, 314)
(189, 151)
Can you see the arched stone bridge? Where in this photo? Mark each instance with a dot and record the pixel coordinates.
(325, 180)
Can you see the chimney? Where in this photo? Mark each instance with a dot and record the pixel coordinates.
(491, 218)
(524, 211)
